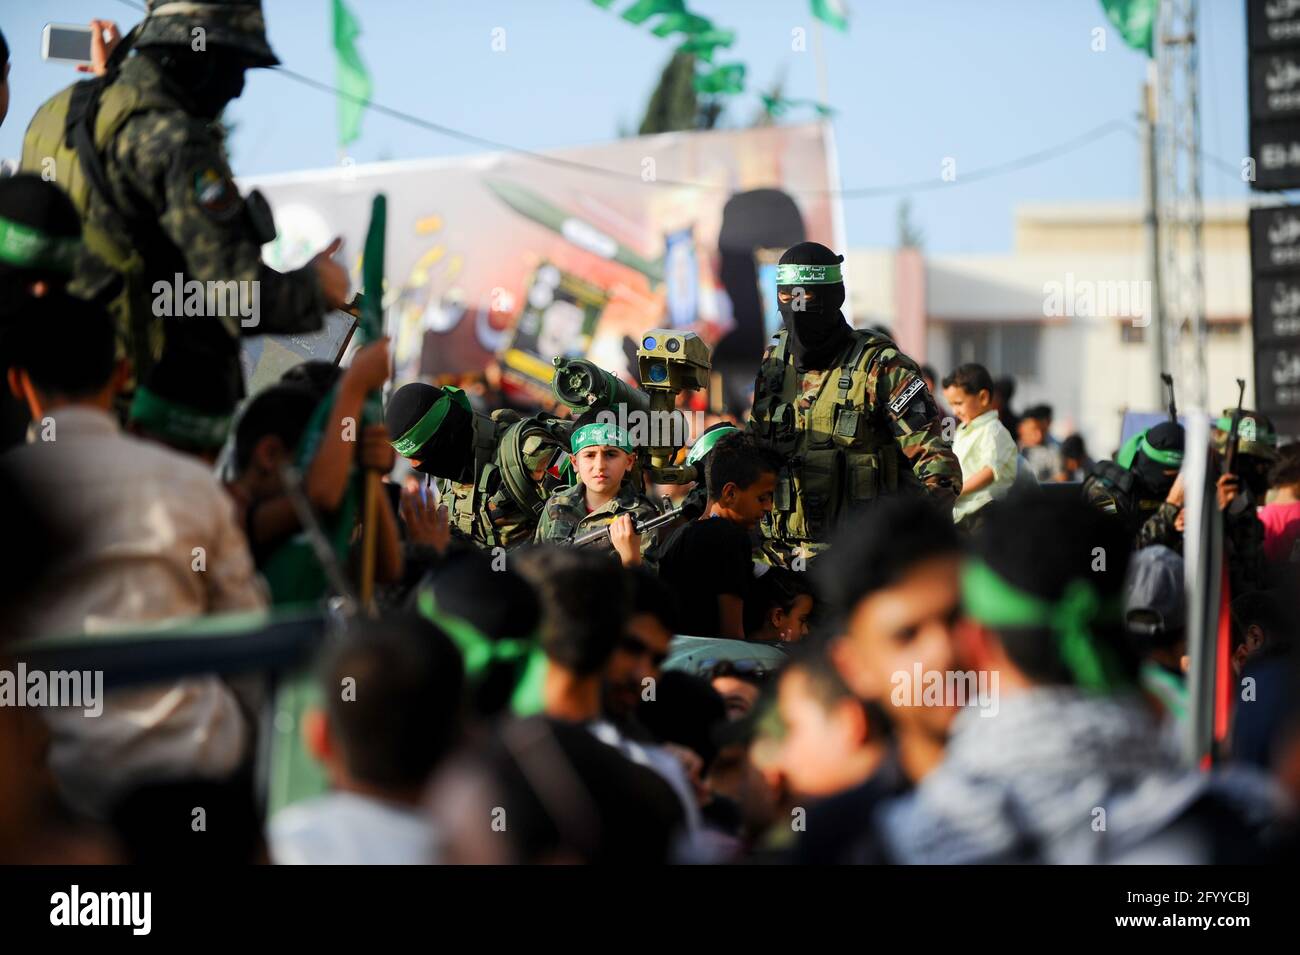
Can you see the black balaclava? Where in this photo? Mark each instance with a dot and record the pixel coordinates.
(818, 332)
(449, 451)
(1165, 437)
(208, 79)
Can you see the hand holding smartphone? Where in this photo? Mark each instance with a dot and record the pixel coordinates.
(87, 46)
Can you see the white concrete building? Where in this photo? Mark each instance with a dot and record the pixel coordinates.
(1065, 313)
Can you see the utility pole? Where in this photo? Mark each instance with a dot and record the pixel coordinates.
(1155, 320)
(1178, 154)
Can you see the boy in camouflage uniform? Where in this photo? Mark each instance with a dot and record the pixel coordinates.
(606, 495)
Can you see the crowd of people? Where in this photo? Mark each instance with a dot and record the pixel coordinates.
(861, 639)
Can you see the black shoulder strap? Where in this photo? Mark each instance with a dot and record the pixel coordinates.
(850, 365)
(82, 110)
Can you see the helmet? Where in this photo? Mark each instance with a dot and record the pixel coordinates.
(237, 24)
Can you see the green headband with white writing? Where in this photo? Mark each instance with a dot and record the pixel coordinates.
(177, 424)
(25, 247)
(1170, 459)
(600, 434)
(479, 652)
(808, 275)
(419, 433)
(706, 442)
(993, 602)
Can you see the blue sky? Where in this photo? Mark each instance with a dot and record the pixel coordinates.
(913, 82)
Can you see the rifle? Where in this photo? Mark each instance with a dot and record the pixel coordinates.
(1168, 379)
(1234, 439)
(687, 512)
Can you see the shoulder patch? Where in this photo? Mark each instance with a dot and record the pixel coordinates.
(216, 194)
(907, 394)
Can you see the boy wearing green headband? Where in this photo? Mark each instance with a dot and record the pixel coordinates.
(605, 494)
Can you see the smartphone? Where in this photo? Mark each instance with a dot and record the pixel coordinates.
(62, 41)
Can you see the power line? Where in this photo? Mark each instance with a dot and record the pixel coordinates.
(863, 192)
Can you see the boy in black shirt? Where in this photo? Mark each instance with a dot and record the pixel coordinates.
(707, 562)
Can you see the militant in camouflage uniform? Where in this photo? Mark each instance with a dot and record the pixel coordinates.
(566, 516)
(1256, 453)
(1134, 486)
(495, 471)
(141, 154)
(848, 411)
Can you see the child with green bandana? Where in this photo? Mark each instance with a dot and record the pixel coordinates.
(606, 494)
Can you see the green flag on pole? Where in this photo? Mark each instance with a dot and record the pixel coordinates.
(1135, 20)
(353, 78)
(833, 13)
(725, 79)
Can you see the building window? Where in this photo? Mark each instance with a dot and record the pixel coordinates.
(1002, 348)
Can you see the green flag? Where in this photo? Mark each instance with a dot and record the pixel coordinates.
(703, 44)
(643, 10)
(725, 79)
(777, 105)
(353, 78)
(833, 13)
(371, 324)
(688, 23)
(1135, 20)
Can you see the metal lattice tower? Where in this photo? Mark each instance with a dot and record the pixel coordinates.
(1178, 190)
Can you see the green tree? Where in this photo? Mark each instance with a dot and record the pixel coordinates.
(674, 104)
(910, 235)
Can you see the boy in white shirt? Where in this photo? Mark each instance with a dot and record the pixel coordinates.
(984, 447)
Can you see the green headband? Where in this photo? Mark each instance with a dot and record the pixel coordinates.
(1170, 459)
(27, 248)
(706, 442)
(600, 434)
(992, 601)
(479, 652)
(424, 429)
(1261, 436)
(808, 275)
(176, 423)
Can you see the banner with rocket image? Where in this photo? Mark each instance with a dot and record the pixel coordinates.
(514, 259)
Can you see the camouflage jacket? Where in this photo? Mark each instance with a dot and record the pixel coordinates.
(865, 427)
(174, 201)
(1160, 528)
(566, 517)
(1245, 542)
(1116, 490)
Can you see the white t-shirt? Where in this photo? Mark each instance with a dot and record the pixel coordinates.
(342, 828)
(984, 443)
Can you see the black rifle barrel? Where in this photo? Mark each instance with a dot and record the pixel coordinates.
(602, 533)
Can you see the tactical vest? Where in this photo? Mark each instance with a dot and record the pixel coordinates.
(501, 507)
(838, 456)
(75, 129)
